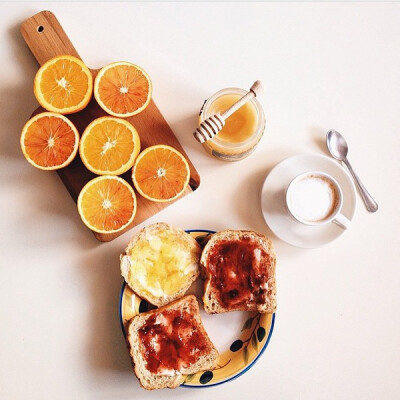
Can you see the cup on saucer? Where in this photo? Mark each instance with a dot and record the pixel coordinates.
(301, 229)
(315, 198)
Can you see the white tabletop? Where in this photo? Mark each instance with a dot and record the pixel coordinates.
(323, 66)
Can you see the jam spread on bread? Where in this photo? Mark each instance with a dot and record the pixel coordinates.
(171, 342)
(238, 270)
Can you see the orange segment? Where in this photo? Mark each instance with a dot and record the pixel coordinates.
(109, 146)
(107, 204)
(122, 89)
(161, 173)
(49, 141)
(63, 84)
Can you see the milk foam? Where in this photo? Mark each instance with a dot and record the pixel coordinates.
(313, 198)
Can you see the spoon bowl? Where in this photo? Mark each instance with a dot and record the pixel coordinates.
(337, 145)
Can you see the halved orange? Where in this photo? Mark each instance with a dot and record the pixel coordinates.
(63, 84)
(122, 89)
(161, 173)
(49, 141)
(107, 204)
(109, 146)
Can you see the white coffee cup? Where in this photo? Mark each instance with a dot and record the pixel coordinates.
(315, 198)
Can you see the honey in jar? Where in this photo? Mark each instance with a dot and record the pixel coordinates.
(242, 130)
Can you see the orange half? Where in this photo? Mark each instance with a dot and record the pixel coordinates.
(107, 204)
(109, 146)
(63, 84)
(161, 173)
(49, 141)
(122, 89)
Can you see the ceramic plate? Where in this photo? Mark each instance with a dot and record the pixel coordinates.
(240, 337)
(276, 214)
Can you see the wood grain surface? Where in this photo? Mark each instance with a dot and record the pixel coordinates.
(46, 39)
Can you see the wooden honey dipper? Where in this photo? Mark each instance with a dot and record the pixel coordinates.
(212, 125)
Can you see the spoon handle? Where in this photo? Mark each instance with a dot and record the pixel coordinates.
(370, 204)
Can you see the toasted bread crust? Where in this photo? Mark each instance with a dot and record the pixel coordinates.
(190, 245)
(210, 297)
(152, 381)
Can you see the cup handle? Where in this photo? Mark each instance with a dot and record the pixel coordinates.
(342, 221)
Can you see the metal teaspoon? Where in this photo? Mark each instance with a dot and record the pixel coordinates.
(337, 146)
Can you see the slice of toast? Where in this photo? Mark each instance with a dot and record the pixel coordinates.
(160, 263)
(240, 268)
(168, 343)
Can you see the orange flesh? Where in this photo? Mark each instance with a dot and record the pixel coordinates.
(108, 145)
(161, 174)
(241, 124)
(64, 84)
(107, 205)
(49, 141)
(123, 89)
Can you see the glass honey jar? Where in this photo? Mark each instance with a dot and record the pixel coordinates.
(243, 129)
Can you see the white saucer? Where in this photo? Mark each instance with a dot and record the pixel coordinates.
(276, 215)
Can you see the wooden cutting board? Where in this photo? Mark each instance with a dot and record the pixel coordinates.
(46, 39)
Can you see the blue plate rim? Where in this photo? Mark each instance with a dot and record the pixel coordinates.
(213, 384)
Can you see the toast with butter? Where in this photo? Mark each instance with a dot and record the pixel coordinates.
(160, 263)
(168, 343)
(240, 270)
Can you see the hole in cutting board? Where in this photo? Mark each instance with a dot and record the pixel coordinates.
(40, 29)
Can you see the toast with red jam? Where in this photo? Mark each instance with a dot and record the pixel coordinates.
(240, 270)
(168, 343)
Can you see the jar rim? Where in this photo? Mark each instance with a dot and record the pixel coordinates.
(260, 116)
